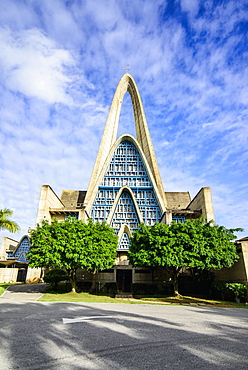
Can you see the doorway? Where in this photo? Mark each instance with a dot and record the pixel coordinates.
(124, 280)
(21, 276)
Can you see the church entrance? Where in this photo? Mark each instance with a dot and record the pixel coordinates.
(124, 280)
(21, 276)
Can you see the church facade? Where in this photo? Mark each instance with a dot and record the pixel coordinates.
(125, 189)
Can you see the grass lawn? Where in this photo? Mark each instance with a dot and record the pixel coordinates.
(3, 286)
(88, 297)
(181, 300)
(65, 296)
(193, 301)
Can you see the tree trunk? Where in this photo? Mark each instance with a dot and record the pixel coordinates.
(72, 279)
(175, 286)
(175, 275)
(94, 280)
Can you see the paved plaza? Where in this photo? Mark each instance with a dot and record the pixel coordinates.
(42, 335)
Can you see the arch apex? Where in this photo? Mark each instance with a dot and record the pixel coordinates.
(127, 84)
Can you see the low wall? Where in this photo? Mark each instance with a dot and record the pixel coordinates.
(33, 273)
(8, 275)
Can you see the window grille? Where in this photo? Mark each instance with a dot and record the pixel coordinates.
(124, 242)
(126, 168)
(22, 257)
(21, 252)
(178, 219)
(128, 216)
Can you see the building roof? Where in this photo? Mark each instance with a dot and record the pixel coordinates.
(243, 239)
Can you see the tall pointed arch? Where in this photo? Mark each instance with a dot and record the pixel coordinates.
(125, 192)
(126, 84)
(125, 189)
(92, 192)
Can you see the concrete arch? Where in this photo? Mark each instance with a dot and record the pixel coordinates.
(127, 84)
(120, 192)
(92, 191)
(124, 229)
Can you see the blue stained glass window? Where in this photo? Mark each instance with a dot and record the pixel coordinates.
(125, 213)
(126, 168)
(178, 219)
(22, 257)
(124, 242)
(21, 252)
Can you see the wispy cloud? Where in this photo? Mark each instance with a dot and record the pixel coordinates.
(60, 64)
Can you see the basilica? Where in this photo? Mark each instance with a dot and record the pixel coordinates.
(125, 189)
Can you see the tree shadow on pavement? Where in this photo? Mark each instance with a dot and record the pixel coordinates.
(33, 336)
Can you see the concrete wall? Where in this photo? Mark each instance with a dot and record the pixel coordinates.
(105, 277)
(244, 247)
(58, 216)
(203, 201)
(238, 273)
(83, 275)
(142, 278)
(110, 277)
(33, 273)
(177, 200)
(48, 199)
(8, 275)
(7, 244)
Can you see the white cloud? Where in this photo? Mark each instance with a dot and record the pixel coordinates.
(32, 65)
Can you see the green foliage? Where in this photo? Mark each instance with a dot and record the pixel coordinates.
(195, 243)
(238, 289)
(59, 288)
(6, 223)
(73, 244)
(54, 276)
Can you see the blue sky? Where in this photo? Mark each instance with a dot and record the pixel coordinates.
(60, 63)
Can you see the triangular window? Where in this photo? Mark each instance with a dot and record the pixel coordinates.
(126, 168)
(125, 213)
(124, 242)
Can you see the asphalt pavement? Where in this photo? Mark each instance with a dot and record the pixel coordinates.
(58, 335)
(25, 292)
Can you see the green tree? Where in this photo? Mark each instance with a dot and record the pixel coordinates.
(195, 244)
(54, 276)
(73, 244)
(238, 289)
(6, 223)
